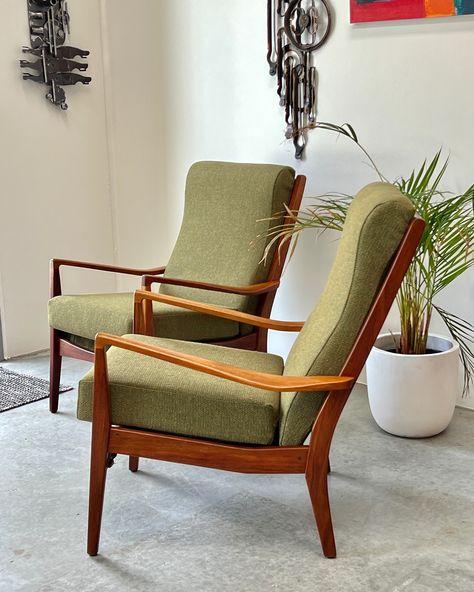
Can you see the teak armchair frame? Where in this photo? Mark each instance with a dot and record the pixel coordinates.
(312, 460)
(265, 292)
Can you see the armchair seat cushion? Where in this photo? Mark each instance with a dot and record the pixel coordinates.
(85, 315)
(156, 395)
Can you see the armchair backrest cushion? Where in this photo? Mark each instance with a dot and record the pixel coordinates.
(226, 205)
(375, 225)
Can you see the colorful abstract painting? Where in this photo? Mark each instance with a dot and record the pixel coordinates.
(363, 11)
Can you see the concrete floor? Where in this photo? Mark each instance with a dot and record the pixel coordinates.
(402, 510)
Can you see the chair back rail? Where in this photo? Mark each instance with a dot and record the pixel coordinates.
(330, 412)
(265, 305)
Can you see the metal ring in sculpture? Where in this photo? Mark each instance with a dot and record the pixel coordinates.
(307, 19)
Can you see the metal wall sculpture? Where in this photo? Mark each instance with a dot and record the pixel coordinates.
(295, 29)
(49, 27)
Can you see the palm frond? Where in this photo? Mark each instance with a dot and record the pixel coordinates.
(445, 251)
(463, 333)
(328, 213)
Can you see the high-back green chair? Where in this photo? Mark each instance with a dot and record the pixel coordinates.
(249, 411)
(216, 260)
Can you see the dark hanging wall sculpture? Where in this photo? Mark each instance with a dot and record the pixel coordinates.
(295, 29)
(55, 67)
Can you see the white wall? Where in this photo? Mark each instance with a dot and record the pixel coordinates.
(406, 87)
(54, 196)
(144, 218)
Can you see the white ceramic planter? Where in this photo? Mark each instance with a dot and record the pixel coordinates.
(413, 395)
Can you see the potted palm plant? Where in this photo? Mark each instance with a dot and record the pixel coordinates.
(412, 375)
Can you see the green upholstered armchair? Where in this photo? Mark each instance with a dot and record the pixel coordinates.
(212, 262)
(250, 411)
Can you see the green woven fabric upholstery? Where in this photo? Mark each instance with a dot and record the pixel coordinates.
(85, 315)
(149, 393)
(226, 205)
(376, 222)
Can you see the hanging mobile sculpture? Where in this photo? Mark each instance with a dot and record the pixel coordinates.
(295, 29)
(48, 22)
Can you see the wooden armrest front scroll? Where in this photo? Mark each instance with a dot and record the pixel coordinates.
(55, 264)
(252, 378)
(144, 320)
(253, 290)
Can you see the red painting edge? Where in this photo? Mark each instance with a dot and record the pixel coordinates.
(384, 11)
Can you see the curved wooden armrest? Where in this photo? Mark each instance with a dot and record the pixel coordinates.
(252, 290)
(216, 311)
(261, 380)
(55, 264)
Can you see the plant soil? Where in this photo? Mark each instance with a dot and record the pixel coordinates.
(428, 351)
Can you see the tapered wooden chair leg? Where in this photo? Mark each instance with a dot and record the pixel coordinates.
(96, 497)
(318, 491)
(133, 463)
(54, 371)
(100, 458)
